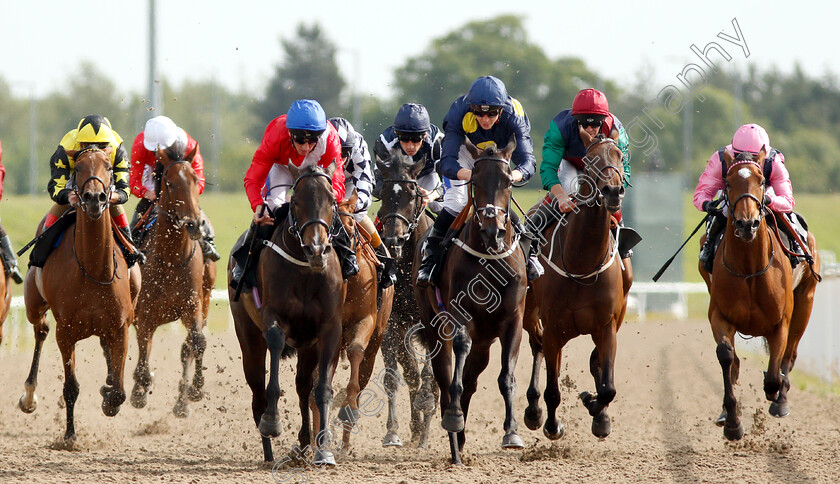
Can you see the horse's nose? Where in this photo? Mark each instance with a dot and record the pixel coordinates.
(313, 250)
(190, 225)
(103, 197)
(392, 242)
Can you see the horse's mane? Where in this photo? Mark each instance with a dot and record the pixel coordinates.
(177, 151)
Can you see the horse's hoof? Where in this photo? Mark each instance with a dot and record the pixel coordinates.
(195, 394)
(139, 397)
(512, 441)
(423, 443)
(721, 419)
(69, 441)
(601, 426)
(181, 409)
(28, 407)
(453, 421)
(110, 410)
(324, 458)
(269, 428)
(554, 434)
(391, 439)
(348, 415)
(587, 398)
(533, 417)
(733, 433)
(779, 410)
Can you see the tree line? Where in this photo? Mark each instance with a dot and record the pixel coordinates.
(800, 112)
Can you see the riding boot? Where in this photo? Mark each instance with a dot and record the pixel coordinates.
(433, 249)
(344, 249)
(530, 247)
(713, 229)
(139, 230)
(241, 262)
(9, 260)
(207, 241)
(131, 257)
(388, 273)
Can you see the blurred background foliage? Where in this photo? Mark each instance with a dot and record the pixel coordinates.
(801, 113)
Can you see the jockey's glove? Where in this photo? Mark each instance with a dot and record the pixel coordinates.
(711, 207)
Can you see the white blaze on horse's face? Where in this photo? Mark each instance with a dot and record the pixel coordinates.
(745, 173)
(397, 189)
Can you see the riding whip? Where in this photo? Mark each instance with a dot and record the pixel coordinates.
(252, 234)
(668, 262)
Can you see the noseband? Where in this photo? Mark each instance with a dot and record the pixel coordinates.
(170, 214)
(761, 206)
(597, 198)
(489, 210)
(418, 209)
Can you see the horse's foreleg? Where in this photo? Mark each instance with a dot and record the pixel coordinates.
(474, 365)
(774, 379)
(71, 385)
(253, 349)
(113, 392)
(198, 343)
(275, 341)
(732, 430)
(602, 367)
(453, 416)
(507, 384)
(349, 412)
(553, 428)
(427, 397)
(328, 344)
(307, 361)
(103, 342)
(143, 377)
(29, 401)
(390, 350)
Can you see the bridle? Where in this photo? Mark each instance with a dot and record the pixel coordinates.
(596, 198)
(418, 209)
(109, 188)
(170, 214)
(760, 202)
(297, 230)
(488, 210)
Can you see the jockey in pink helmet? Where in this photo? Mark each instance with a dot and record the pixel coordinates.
(747, 143)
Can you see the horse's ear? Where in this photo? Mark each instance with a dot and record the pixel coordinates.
(415, 168)
(471, 148)
(191, 155)
(351, 202)
(508, 150)
(108, 150)
(381, 164)
(614, 134)
(727, 157)
(71, 153)
(761, 156)
(331, 169)
(295, 171)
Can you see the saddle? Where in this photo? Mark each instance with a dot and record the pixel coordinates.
(51, 237)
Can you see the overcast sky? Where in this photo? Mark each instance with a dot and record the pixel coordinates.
(237, 41)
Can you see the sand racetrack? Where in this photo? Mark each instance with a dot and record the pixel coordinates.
(669, 390)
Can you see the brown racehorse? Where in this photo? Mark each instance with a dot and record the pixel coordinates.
(404, 220)
(363, 326)
(86, 284)
(584, 291)
(177, 280)
(755, 291)
(296, 305)
(482, 298)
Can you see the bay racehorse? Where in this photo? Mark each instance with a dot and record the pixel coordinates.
(177, 280)
(87, 285)
(297, 305)
(480, 297)
(584, 290)
(404, 220)
(753, 290)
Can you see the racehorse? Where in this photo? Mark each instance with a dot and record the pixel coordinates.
(404, 220)
(177, 280)
(297, 304)
(480, 297)
(584, 291)
(89, 289)
(755, 291)
(364, 323)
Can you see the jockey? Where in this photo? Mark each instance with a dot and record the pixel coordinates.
(417, 138)
(564, 150)
(302, 137)
(359, 176)
(487, 116)
(10, 263)
(746, 144)
(92, 130)
(161, 133)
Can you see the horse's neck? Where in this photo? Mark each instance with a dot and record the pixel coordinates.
(94, 244)
(170, 243)
(585, 239)
(747, 257)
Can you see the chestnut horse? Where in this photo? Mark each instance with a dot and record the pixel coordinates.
(89, 289)
(297, 305)
(177, 280)
(480, 297)
(404, 220)
(755, 291)
(584, 291)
